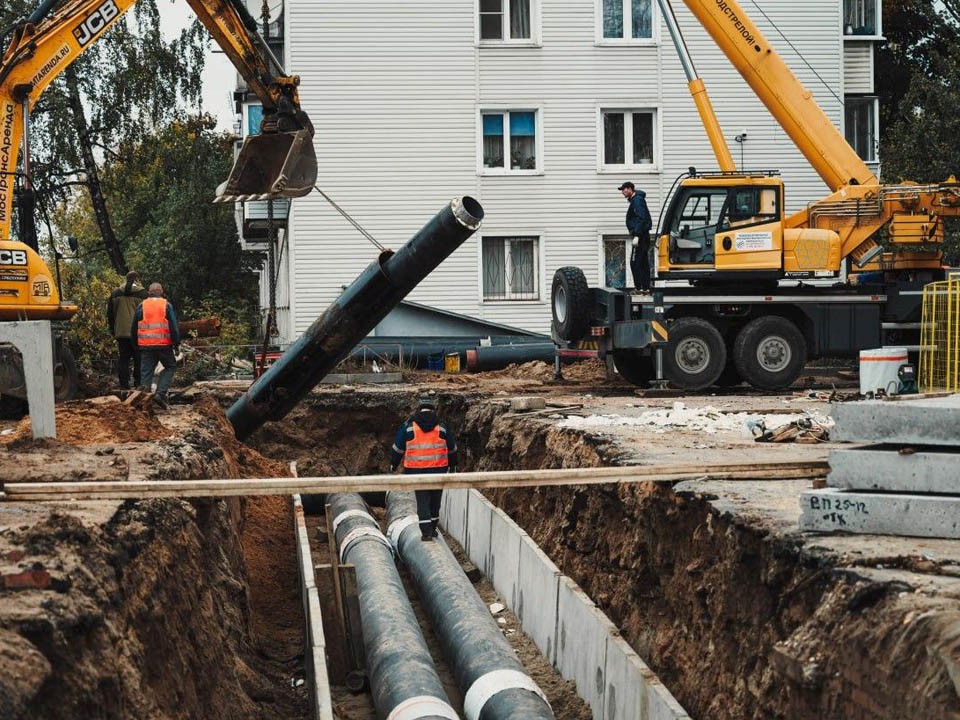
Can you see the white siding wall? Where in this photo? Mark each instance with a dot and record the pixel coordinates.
(394, 91)
(858, 67)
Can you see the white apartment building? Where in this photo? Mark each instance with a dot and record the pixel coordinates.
(539, 109)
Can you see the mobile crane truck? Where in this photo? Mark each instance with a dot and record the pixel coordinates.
(726, 234)
(280, 162)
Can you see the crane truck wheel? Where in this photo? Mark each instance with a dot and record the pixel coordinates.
(770, 352)
(634, 367)
(695, 355)
(569, 302)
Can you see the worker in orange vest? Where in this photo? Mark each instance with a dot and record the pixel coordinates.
(156, 333)
(426, 446)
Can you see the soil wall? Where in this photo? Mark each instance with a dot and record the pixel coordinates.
(137, 610)
(738, 621)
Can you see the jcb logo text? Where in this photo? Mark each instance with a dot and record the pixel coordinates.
(13, 257)
(95, 22)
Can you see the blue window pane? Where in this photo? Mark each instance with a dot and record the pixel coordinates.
(254, 116)
(642, 18)
(493, 124)
(522, 124)
(613, 18)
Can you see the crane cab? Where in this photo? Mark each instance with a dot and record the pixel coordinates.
(729, 227)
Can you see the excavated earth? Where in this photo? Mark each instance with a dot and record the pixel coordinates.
(170, 609)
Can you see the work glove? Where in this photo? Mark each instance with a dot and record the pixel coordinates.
(636, 241)
(393, 468)
(177, 355)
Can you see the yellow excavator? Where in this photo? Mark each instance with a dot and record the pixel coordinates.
(280, 162)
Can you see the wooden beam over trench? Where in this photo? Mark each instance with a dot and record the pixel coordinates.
(134, 490)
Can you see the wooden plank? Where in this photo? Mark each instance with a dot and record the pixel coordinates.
(121, 490)
(351, 606)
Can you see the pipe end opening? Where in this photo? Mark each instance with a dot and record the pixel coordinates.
(467, 211)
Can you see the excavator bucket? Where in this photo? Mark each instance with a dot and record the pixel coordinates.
(270, 166)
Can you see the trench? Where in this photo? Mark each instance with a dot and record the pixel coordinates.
(177, 609)
(737, 621)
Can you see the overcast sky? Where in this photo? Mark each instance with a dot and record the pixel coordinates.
(219, 76)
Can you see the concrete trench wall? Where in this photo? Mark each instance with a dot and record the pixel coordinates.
(566, 625)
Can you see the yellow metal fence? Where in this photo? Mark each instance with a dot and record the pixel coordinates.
(940, 337)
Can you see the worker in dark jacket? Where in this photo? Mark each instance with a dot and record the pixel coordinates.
(639, 225)
(426, 446)
(121, 306)
(156, 332)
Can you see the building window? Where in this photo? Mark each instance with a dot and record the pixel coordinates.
(505, 20)
(616, 256)
(510, 268)
(627, 138)
(515, 130)
(627, 19)
(254, 116)
(860, 126)
(860, 17)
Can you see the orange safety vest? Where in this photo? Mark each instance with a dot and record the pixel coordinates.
(154, 330)
(426, 450)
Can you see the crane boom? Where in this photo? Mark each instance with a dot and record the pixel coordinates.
(790, 103)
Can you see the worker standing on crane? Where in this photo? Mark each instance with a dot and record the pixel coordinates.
(639, 224)
(157, 335)
(121, 307)
(426, 446)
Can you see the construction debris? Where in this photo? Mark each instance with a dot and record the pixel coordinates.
(804, 430)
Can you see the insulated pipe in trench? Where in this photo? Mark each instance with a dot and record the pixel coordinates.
(403, 679)
(494, 683)
(368, 300)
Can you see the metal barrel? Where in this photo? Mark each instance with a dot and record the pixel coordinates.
(494, 683)
(403, 679)
(368, 300)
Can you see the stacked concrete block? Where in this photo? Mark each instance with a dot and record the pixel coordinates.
(906, 484)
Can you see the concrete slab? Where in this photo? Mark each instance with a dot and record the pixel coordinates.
(453, 514)
(924, 421)
(35, 343)
(582, 647)
(831, 510)
(505, 541)
(885, 468)
(477, 545)
(536, 606)
(633, 689)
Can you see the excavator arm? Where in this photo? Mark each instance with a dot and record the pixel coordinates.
(279, 162)
(56, 35)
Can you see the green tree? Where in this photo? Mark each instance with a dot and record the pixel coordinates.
(162, 192)
(917, 72)
(128, 83)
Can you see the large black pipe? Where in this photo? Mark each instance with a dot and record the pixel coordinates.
(355, 313)
(494, 683)
(401, 672)
(499, 356)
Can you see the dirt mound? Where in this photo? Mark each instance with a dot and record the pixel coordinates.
(98, 421)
